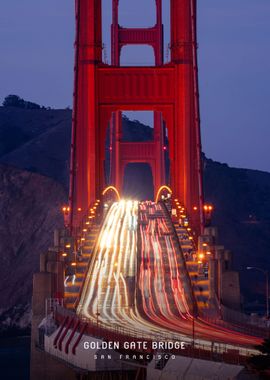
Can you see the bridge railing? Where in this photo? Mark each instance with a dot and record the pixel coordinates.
(187, 281)
(237, 321)
(198, 348)
(246, 322)
(94, 250)
(237, 316)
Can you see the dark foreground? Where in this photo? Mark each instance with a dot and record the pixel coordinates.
(15, 358)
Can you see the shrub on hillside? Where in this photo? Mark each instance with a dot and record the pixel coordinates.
(16, 101)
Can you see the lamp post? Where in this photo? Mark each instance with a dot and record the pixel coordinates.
(265, 272)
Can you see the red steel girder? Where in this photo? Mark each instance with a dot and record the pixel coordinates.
(171, 89)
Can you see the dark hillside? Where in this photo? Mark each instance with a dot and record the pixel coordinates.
(36, 140)
(241, 198)
(30, 207)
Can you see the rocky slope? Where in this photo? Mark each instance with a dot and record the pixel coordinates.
(30, 207)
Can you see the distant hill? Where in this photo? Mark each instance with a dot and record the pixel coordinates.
(241, 198)
(36, 140)
(34, 152)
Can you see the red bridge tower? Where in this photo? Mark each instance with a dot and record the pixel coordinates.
(170, 90)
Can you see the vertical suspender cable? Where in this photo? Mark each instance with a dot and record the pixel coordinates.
(197, 108)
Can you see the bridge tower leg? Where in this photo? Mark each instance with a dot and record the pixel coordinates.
(186, 170)
(87, 174)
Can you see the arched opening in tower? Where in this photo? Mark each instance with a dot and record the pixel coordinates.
(138, 181)
(137, 14)
(132, 16)
(166, 150)
(139, 138)
(137, 55)
(137, 126)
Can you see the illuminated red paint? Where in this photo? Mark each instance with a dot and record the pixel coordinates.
(102, 90)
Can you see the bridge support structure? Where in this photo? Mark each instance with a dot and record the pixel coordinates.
(122, 153)
(102, 90)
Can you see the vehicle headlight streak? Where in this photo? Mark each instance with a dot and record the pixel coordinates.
(108, 293)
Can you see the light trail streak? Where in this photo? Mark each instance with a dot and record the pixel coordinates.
(156, 306)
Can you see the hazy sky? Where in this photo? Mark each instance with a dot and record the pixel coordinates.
(36, 62)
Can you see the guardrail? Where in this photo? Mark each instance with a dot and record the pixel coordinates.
(94, 250)
(228, 320)
(199, 349)
(187, 282)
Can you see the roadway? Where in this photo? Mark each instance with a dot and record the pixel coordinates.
(137, 283)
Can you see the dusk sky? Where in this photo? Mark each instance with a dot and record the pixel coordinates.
(36, 39)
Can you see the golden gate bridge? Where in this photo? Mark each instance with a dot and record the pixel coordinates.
(127, 270)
